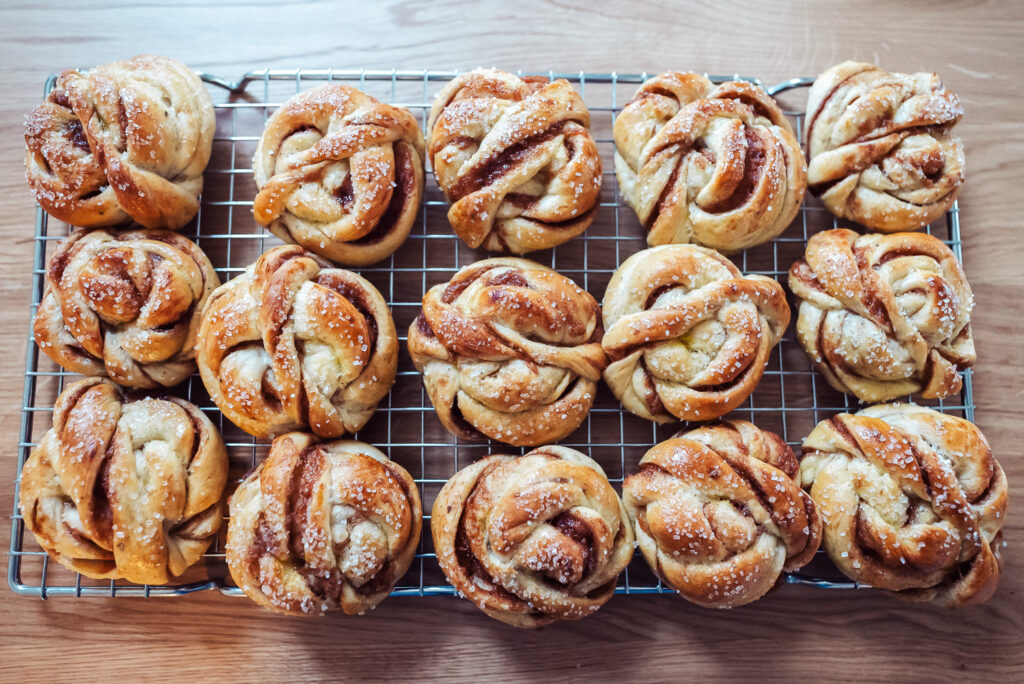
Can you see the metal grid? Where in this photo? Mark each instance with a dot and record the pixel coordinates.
(790, 399)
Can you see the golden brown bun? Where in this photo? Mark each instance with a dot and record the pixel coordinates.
(322, 525)
(912, 500)
(884, 316)
(515, 158)
(715, 165)
(880, 146)
(126, 141)
(532, 539)
(340, 174)
(125, 488)
(509, 350)
(293, 343)
(125, 305)
(719, 515)
(687, 335)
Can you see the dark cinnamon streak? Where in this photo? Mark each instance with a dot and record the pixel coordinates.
(580, 532)
(461, 282)
(497, 166)
(76, 135)
(753, 166)
(356, 297)
(405, 188)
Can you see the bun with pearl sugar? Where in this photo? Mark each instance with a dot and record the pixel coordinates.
(340, 174)
(126, 141)
(719, 513)
(125, 305)
(532, 539)
(125, 486)
(716, 165)
(293, 343)
(322, 525)
(509, 350)
(912, 501)
(884, 316)
(687, 335)
(516, 159)
(880, 146)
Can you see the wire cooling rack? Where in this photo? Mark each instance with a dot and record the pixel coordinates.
(790, 399)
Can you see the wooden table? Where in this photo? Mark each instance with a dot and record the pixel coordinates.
(795, 633)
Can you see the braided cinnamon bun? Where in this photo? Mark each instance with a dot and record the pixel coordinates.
(126, 141)
(322, 525)
(687, 335)
(884, 316)
(340, 174)
(880, 146)
(509, 350)
(125, 487)
(719, 514)
(911, 499)
(125, 305)
(532, 539)
(293, 343)
(715, 165)
(515, 158)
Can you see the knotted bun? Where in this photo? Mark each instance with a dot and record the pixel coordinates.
(532, 539)
(293, 343)
(515, 158)
(340, 174)
(880, 146)
(322, 525)
(125, 487)
(717, 165)
(509, 350)
(126, 141)
(125, 305)
(687, 335)
(719, 514)
(911, 499)
(884, 316)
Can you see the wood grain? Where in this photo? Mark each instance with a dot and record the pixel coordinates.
(792, 634)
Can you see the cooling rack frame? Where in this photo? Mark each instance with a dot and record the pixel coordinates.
(590, 259)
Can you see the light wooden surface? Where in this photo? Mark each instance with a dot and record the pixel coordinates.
(792, 634)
